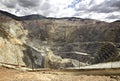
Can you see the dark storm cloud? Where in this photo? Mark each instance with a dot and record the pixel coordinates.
(21, 3)
(107, 6)
(26, 7)
(113, 17)
(29, 3)
(102, 9)
(9, 3)
(116, 4)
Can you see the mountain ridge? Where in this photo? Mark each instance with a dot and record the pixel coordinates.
(28, 17)
(38, 16)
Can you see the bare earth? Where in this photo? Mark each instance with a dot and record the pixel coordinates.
(13, 75)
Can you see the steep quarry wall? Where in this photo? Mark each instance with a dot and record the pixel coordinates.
(57, 43)
(14, 52)
(65, 37)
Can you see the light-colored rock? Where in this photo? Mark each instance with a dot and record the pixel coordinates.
(70, 40)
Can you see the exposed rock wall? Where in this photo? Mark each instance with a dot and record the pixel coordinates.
(25, 41)
(74, 35)
(14, 52)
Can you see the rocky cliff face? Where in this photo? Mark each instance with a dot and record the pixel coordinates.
(68, 38)
(15, 52)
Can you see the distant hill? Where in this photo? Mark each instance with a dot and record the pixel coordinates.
(28, 17)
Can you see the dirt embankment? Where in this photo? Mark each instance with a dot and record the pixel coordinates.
(13, 75)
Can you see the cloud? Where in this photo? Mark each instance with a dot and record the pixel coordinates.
(113, 17)
(99, 6)
(98, 9)
(107, 6)
(9, 3)
(106, 10)
(72, 5)
(29, 3)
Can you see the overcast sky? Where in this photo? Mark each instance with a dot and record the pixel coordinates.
(105, 10)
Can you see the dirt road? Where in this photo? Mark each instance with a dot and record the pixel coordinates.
(13, 75)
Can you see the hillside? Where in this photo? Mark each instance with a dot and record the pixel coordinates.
(36, 41)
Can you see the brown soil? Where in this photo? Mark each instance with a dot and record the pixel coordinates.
(13, 75)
